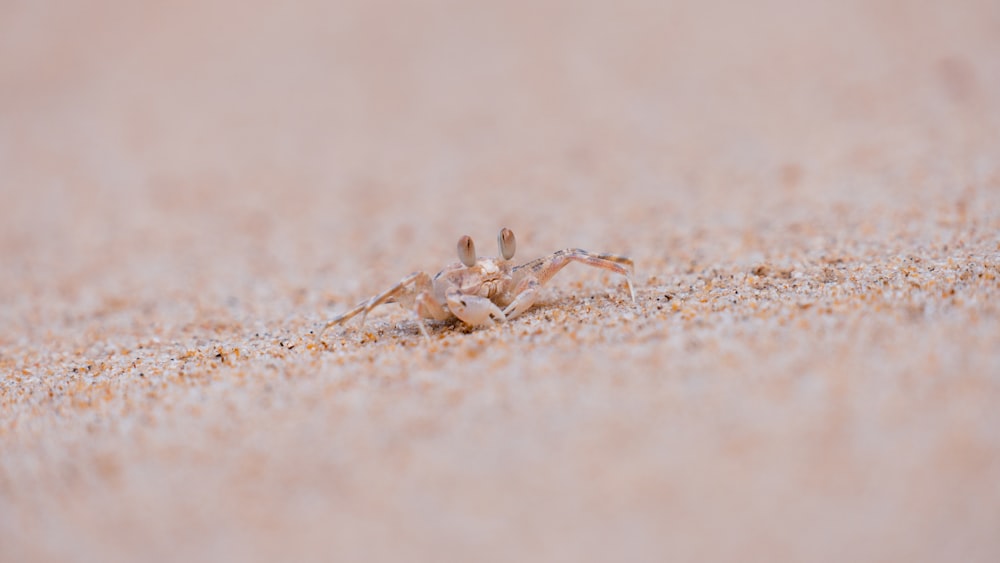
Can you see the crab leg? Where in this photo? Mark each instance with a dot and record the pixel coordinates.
(401, 291)
(530, 276)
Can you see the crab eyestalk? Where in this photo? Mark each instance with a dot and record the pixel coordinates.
(506, 242)
(467, 251)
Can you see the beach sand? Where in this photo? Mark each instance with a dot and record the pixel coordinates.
(810, 193)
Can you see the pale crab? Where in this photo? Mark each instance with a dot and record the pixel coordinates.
(482, 291)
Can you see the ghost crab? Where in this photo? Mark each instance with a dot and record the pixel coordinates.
(482, 291)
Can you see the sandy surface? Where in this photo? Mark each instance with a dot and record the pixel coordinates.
(810, 192)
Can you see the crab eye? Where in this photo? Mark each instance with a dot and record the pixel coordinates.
(505, 240)
(467, 251)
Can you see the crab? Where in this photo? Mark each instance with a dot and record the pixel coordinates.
(482, 292)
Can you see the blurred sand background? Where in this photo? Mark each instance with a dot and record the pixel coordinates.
(810, 191)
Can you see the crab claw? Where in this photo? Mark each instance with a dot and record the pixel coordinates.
(474, 310)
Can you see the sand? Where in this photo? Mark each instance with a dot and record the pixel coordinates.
(810, 193)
